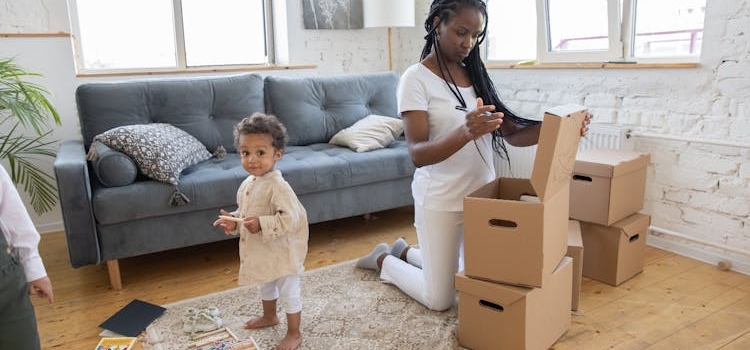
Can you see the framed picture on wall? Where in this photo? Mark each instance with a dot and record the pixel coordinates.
(332, 14)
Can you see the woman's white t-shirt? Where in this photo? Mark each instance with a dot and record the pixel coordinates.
(443, 186)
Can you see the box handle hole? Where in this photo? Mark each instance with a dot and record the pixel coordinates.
(503, 223)
(634, 238)
(582, 178)
(491, 305)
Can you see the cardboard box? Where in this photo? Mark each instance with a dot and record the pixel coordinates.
(512, 241)
(575, 252)
(608, 185)
(502, 316)
(615, 253)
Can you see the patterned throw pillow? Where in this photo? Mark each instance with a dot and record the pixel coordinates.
(161, 151)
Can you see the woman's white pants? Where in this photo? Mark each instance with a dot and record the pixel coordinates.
(428, 276)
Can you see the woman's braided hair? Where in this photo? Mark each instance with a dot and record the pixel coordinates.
(483, 85)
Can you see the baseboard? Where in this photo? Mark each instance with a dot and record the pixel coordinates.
(50, 227)
(699, 252)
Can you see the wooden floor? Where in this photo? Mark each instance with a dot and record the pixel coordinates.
(676, 303)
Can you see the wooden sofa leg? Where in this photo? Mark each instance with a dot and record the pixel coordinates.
(113, 267)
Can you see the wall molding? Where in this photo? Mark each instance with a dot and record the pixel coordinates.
(698, 252)
(51, 227)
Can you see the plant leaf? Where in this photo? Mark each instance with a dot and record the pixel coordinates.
(26, 106)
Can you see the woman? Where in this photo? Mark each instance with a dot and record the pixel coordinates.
(452, 135)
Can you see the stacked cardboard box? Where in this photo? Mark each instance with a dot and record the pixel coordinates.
(515, 290)
(606, 192)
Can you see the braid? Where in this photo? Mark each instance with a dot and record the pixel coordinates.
(483, 85)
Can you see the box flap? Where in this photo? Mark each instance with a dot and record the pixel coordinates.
(501, 294)
(634, 224)
(574, 234)
(609, 163)
(557, 148)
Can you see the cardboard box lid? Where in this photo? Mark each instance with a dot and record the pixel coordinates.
(610, 163)
(501, 294)
(557, 148)
(633, 224)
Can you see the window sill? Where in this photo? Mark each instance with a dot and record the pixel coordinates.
(602, 65)
(34, 35)
(201, 70)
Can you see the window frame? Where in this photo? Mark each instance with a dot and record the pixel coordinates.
(545, 54)
(628, 30)
(180, 59)
(621, 34)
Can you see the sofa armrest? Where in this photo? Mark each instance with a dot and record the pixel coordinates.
(74, 189)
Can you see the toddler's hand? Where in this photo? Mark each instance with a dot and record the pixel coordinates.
(225, 224)
(252, 223)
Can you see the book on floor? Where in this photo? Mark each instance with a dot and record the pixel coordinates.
(133, 318)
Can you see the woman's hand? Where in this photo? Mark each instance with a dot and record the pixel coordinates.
(481, 120)
(585, 125)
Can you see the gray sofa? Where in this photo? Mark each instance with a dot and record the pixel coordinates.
(106, 221)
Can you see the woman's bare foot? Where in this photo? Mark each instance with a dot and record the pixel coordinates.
(262, 321)
(290, 342)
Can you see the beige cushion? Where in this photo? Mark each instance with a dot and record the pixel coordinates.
(369, 133)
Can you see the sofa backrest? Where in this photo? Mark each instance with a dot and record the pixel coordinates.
(313, 109)
(207, 108)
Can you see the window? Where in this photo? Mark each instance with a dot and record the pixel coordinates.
(595, 30)
(511, 32)
(584, 30)
(149, 35)
(668, 28)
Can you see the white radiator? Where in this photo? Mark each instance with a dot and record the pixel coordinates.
(605, 136)
(599, 136)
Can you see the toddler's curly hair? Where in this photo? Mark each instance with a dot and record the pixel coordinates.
(260, 123)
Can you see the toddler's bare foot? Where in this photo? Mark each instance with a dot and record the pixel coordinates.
(262, 321)
(290, 341)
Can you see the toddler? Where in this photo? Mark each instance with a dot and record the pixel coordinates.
(272, 224)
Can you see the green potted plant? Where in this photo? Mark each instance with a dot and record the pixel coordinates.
(25, 117)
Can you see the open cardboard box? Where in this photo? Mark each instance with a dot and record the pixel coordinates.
(513, 241)
(502, 316)
(615, 253)
(608, 185)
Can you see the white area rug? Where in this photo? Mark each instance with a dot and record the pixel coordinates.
(343, 308)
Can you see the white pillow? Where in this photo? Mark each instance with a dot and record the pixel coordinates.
(369, 133)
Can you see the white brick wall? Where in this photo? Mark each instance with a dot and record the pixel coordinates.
(694, 189)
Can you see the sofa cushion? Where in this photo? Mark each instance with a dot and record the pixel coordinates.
(206, 107)
(161, 151)
(313, 109)
(210, 184)
(369, 133)
(324, 167)
(112, 168)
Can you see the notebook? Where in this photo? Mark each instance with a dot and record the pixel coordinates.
(133, 318)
